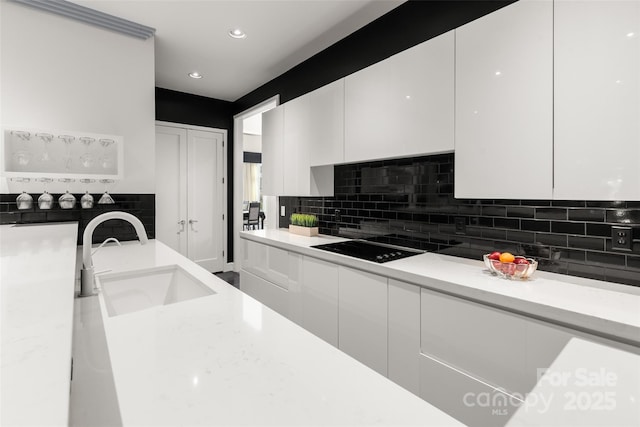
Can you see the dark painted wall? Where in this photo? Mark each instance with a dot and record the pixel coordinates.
(179, 107)
(409, 202)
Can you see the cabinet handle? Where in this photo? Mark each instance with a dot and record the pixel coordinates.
(181, 223)
(191, 222)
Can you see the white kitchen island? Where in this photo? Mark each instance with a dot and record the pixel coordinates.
(226, 359)
(37, 271)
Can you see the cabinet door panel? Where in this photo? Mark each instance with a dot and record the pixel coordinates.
(295, 288)
(404, 335)
(320, 299)
(487, 343)
(267, 262)
(325, 133)
(464, 398)
(272, 151)
(504, 103)
(295, 164)
(266, 292)
(402, 106)
(362, 317)
(597, 100)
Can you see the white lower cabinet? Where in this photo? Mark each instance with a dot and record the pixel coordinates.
(362, 314)
(478, 362)
(267, 262)
(271, 275)
(403, 316)
(295, 288)
(319, 294)
(269, 294)
(465, 398)
(485, 342)
(473, 361)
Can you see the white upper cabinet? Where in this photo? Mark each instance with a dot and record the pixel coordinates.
(402, 106)
(295, 164)
(324, 133)
(504, 104)
(302, 140)
(313, 141)
(597, 100)
(273, 151)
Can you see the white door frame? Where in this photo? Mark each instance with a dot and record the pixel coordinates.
(237, 170)
(225, 238)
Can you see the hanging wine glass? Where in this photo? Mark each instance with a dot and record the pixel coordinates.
(22, 156)
(106, 199)
(68, 140)
(105, 160)
(86, 159)
(86, 201)
(24, 200)
(46, 140)
(45, 201)
(67, 200)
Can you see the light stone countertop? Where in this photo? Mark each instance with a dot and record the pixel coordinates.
(225, 359)
(606, 309)
(37, 272)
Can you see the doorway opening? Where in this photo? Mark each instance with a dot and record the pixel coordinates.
(252, 172)
(247, 176)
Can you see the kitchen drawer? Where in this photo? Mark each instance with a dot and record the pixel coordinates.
(267, 262)
(470, 401)
(269, 294)
(487, 343)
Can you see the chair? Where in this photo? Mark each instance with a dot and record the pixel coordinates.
(253, 219)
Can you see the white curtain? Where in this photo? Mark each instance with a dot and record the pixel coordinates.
(251, 182)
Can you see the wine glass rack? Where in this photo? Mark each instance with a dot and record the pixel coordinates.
(60, 154)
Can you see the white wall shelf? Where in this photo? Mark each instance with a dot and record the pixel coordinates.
(58, 154)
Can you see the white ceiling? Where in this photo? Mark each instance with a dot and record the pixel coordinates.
(193, 36)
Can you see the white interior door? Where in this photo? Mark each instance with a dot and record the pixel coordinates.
(171, 187)
(205, 201)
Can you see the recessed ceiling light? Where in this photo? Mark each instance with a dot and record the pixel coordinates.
(195, 75)
(237, 33)
(631, 34)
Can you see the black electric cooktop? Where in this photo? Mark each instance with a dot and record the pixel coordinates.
(369, 251)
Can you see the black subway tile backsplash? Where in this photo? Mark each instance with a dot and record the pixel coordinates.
(593, 215)
(551, 213)
(562, 227)
(140, 205)
(409, 202)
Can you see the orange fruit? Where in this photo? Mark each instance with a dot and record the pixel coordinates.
(507, 257)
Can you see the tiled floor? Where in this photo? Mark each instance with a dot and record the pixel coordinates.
(230, 277)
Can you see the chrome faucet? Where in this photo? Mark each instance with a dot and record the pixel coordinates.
(87, 276)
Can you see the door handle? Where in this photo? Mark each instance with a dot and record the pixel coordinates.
(181, 224)
(191, 222)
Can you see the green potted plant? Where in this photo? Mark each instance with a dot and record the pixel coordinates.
(304, 224)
